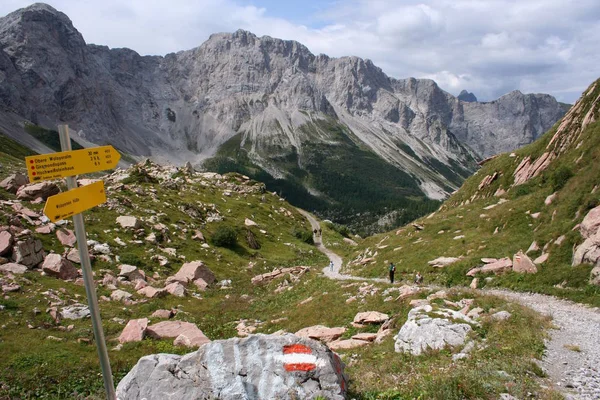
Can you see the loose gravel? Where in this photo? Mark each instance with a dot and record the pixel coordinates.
(572, 355)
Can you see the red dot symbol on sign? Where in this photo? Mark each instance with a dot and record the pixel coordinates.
(33, 173)
(298, 357)
(30, 161)
(33, 167)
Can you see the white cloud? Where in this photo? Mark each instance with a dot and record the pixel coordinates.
(487, 47)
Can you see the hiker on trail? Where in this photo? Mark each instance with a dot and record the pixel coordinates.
(315, 231)
(392, 270)
(418, 278)
(320, 234)
(331, 265)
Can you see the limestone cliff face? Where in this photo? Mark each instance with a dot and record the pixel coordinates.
(274, 94)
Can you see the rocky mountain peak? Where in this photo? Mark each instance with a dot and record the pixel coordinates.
(467, 96)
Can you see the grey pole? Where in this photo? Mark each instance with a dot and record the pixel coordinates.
(88, 278)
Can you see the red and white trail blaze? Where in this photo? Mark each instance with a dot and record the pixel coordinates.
(298, 357)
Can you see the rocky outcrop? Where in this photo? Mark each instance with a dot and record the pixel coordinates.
(322, 333)
(58, 267)
(189, 272)
(28, 252)
(185, 333)
(290, 368)
(589, 250)
(523, 264)
(37, 190)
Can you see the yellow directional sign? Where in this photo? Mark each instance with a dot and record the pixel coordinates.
(70, 163)
(67, 204)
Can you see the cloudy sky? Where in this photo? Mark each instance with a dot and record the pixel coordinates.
(489, 47)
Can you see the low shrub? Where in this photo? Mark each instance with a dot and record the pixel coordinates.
(224, 236)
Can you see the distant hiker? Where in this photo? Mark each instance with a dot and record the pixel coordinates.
(315, 232)
(331, 265)
(320, 232)
(392, 270)
(418, 278)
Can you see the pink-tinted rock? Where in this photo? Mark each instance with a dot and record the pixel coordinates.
(541, 259)
(523, 264)
(120, 295)
(45, 229)
(140, 284)
(176, 289)
(6, 242)
(13, 182)
(191, 271)
(134, 331)
(152, 292)
(66, 237)
(35, 190)
(368, 337)
(191, 335)
(131, 272)
(58, 267)
(347, 344)
(370, 317)
(11, 288)
(590, 224)
(73, 256)
(165, 314)
(13, 268)
(201, 284)
(502, 265)
(322, 333)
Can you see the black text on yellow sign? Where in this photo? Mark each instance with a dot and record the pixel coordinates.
(67, 204)
(70, 163)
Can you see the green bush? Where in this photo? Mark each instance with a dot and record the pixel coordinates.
(131, 259)
(339, 228)
(560, 177)
(224, 236)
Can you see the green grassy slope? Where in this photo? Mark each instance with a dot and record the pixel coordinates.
(464, 227)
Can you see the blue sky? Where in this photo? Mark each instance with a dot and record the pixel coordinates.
(489, 47)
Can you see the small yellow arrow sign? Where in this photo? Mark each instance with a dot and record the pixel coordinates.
(69, 163)
(67, 204)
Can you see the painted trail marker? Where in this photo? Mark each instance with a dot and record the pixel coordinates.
(76, 201)
(298, 357)
(70, 163)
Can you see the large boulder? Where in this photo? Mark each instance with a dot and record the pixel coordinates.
(174, 329)
(127, 221)
(322, 333)
(134, 331)
(259, 367)
(191, 271)
(588, 251)
(131, 272)
(590, 224)
(423, 331)
(66, 237)
(13, 268)
(35, 190)
(13, 182)
(58, 267)
(28, 252)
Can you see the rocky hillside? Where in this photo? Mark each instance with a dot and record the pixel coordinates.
(267, 105)
(526, 220)
(200, 274)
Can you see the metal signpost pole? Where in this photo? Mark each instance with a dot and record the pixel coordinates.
(88, 278)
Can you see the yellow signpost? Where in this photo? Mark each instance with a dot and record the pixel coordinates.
(67, 204)
(70, 163)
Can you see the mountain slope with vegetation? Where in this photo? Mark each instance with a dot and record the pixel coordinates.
(540, 193)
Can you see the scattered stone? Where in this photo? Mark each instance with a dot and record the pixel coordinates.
(475, 313)
(66, 237)
(134, 331)
(541, 259)
(550, 199)
(368, 337)
(152, 292)
(11, 288)
(347, 344)
(176, 289)
(13, 182)
(370, 317)
(129, 222)
(422, 332)
(165, 314)
(560, 240)
(192, 336)
(321, 333)
(13, 268)
(191, 271)
(497, 267)
(249, 222)
(523, 264)
(37, 190)
(532, 248)
(350, 242)
(279, 272)
(226, 369)
(418, 302)
(73, 256)
(120, 295)
(46, 229)
(28, 252)
(58, 267)
(595, 276)
(442, 262)
(198, 236)
(501, 315)
(76, 311)
(201, 284)
(131, 272)
(6, 242)
(474, 283)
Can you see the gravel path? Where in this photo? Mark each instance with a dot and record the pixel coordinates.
(575, 373)
(572, 355)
